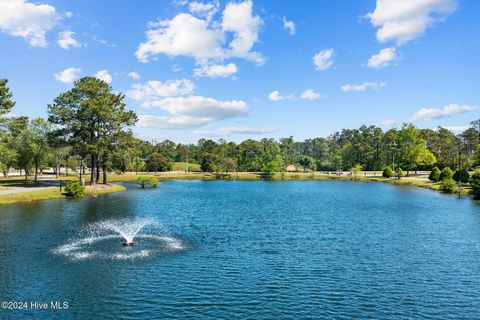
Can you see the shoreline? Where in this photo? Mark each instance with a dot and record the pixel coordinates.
(54, 191)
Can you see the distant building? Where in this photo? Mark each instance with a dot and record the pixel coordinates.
(292, 168)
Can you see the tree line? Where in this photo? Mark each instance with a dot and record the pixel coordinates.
(89, 127)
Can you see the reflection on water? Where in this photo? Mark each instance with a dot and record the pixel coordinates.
(220, 249)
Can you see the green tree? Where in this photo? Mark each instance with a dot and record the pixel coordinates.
(90, 116)
(475, 183)
(356, 169)
(461, 175)
(306, 162)
(448, 185)
(446, 173)
(387, 172)
(399, 173)
(269, 168)
(157, 162)
(38, 132)
(6, 102)
(147, 181)
(434, 175)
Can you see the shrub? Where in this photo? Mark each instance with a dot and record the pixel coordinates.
(446, 173)
(475, 183)
(387, 172)
(147, 181)
(75, 189)
(448, 185)
(434, 175)
(461, 175)
(399, 173)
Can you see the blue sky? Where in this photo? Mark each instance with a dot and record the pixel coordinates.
(247, 69)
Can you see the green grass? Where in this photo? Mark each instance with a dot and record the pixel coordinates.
(182, 166)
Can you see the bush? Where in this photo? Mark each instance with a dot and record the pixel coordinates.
(434, 175)
(475, 183)
(448, 185)
(399, 173)
(446, 173)
(147, 181)
(387, 172)
(461, 175)
(75, 189)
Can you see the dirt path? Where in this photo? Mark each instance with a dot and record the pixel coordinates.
(14, 190)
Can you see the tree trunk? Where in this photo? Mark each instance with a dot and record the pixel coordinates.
(26, 173)
(98, 171)
(36, 171)
(93, 173)
(81, 168)
(104, 172)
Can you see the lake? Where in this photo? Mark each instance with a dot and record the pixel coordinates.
(246, 249)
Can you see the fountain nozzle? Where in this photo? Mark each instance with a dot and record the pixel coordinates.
(129, 244)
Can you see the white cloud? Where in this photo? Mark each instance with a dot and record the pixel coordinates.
(104, 75)
(224, 132)
(310, 94)
(191, 111)
(363, 86)
(456, 129)
(389, 122)
(134, 75)
(289, 26)
(276, 96)
(156, 89)
(215, 70)
(239, 19)
(324, 59)
(404, 20)
(202, 39)
(203, 10)
(68, 75)
(184, 35)
(447, 111)
(30, 21)
(66, 40)
(383, 58)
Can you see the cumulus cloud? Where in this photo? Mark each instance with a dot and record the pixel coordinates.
(134, 75)
(403, 21)
(324, 59)
(289, 26)
(68, 75)
(203, 10)
(66, 40)
(383, 58)
(310, 94)
(30, 21)
(194, 35)
(104, 75)
(389, 122)
(224, 132)
(191, 111)
(157, 89)
(456, 129)
(276, 96)
(363, 86)
(447, 111)
(215, 70)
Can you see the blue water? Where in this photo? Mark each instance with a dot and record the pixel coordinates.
(257, 250)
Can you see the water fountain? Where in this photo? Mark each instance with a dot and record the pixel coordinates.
(125, 228)
(98, 241)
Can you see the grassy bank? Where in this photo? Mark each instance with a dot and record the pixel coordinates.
(45, 193)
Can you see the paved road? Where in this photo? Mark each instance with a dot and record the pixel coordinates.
(14, 190)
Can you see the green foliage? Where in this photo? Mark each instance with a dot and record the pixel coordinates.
(448, 185)
(475, 183)
(147, 181)
(306, 162)
(461, 175)
(157, 162)
(75, 189)
(357, 168)
(434, 175)
(269, 168)
(6, 102)
(399, 173)
(387, 172)
(446, 173)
